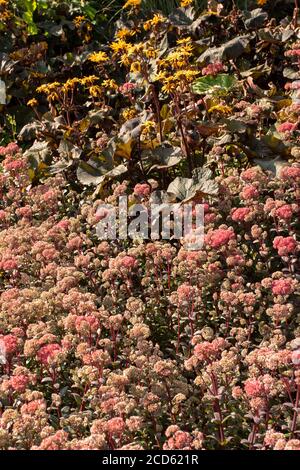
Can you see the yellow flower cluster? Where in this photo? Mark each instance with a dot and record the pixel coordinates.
(89, 80)
(179, 58)
(134, 56)
(33, 102)
(54, 90)
(98, 57)
(175, 70)
(128, 113)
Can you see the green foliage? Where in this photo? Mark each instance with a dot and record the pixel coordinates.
(214, 84)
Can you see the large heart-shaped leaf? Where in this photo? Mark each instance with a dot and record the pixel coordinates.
(230, 50)
(256, 18)
(162, 157)
(210, 84)
(201, 184)
(100, 168)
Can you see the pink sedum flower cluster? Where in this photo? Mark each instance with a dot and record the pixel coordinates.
(124, 345)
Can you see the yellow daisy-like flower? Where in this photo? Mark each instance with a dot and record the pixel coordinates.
(155, 21)
(98, 57)
(186, 3)
(120, 46)
(52, 97)
(132, 4)
(160, 76)
(125, 33)
(151, 53)
(89, 80)
(125, 60)
(186, 75)
(169, 85)
(95, 91)
(185, 41)
(179, 58)
(48, 88)
(33, 102)
(110, 85)
(71, 83)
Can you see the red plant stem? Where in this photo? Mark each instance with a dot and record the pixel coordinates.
(191, 312)
(170, 400)
(217, 408)
(295, 16)
(186, 147)
(157, 108)
(178, 332)
(294, 422)
(169, 274)
(82, 406)
(253, 436)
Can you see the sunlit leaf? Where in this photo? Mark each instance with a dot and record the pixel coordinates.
(211, 84)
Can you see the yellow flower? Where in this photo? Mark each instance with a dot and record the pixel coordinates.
(3, 3)
(48, 88)
(187, 75)
(119, 46)
(132, 4)
(128, 113)
(95, 91)
(155, 21)
(185, 41)
(220, 108)
(179, 58)
(169, 85)
(151, 53)
(98, 57)
(125, 60)
(110, 84)
(186, 3)
(125, 33)
(161, 76)
(78, 20)
(89, 80)
(71, 83)
(33, 102)
(52, 97)
(148, 127)
(261, 2)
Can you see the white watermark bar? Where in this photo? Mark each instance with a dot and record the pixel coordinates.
(153, 222)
